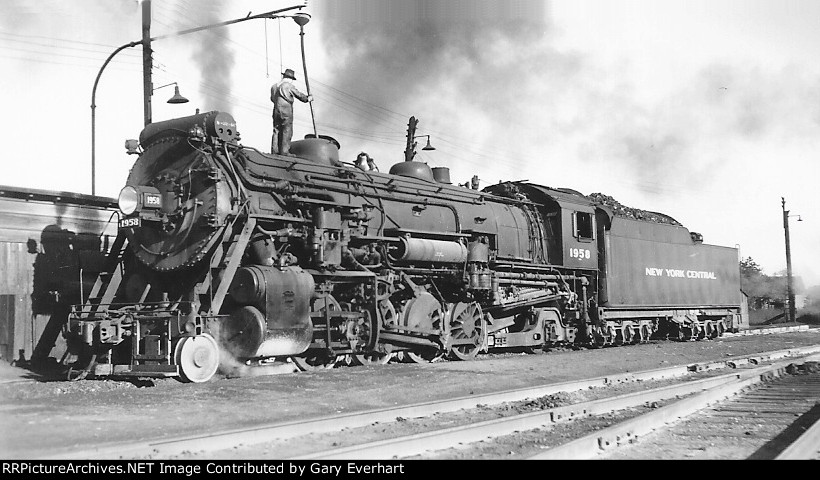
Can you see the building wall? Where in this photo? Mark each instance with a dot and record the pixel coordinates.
(47, 241)
(16, 278)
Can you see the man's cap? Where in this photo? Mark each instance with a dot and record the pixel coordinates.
(289, 74)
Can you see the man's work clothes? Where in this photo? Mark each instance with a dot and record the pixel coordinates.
(282, 95)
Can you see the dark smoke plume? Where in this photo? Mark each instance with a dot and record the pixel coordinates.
(388, 52)
(212, 52)
(490, 72)
(216, 59)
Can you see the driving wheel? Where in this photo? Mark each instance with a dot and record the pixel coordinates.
(371, 358)
(468, 331)
(319, 359)
(386, 316)
(423, 355)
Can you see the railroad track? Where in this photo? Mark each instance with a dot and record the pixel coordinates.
(762, 404)
(361, 435)
(778, 419)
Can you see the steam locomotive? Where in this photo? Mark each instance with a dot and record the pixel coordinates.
(227, 254)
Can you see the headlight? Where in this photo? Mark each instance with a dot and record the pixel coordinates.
(128, 200)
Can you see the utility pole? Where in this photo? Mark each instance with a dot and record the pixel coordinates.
(789, 285)
(147, 62)
(410, 151)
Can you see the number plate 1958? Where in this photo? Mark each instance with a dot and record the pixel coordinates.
(130, 222)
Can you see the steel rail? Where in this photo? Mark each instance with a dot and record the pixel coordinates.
(450, 437)
(213, 441)
(629, 430)
(768, 330)
(407, 446)
(806, 447)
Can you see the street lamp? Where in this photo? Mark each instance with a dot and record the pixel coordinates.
(177, 98)
(427, 147)
(146, 42)
(789, 281)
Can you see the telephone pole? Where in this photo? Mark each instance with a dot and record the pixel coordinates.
(147, 64)
(147, 61)
(789, 285)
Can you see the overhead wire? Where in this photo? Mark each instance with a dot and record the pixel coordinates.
(390, 120)
(54, 62)
(255, 105)
(341, 99)
(465, 151)
(267, 62)
(281, 66)
(52, 47)
(56, 42)
(29, 46)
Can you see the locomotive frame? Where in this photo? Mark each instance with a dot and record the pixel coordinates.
(226, 254)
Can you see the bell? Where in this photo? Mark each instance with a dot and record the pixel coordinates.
(177, 98)
(428, 146)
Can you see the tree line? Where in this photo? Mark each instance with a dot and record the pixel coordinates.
(766, 291)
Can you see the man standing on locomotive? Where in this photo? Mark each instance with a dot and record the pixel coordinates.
(282, 95)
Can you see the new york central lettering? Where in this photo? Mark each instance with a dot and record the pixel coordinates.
(679, 273)
(654, 272)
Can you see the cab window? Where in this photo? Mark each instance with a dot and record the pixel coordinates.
(584, 229)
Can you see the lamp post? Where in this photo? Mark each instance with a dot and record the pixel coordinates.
(789, 280)
(146, 42)
(94, 109)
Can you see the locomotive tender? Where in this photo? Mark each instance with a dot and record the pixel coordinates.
(226, 254)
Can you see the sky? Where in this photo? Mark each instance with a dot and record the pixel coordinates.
(707, 111)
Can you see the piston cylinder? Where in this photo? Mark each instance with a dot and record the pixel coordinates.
(282, 295)
(426, 250)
